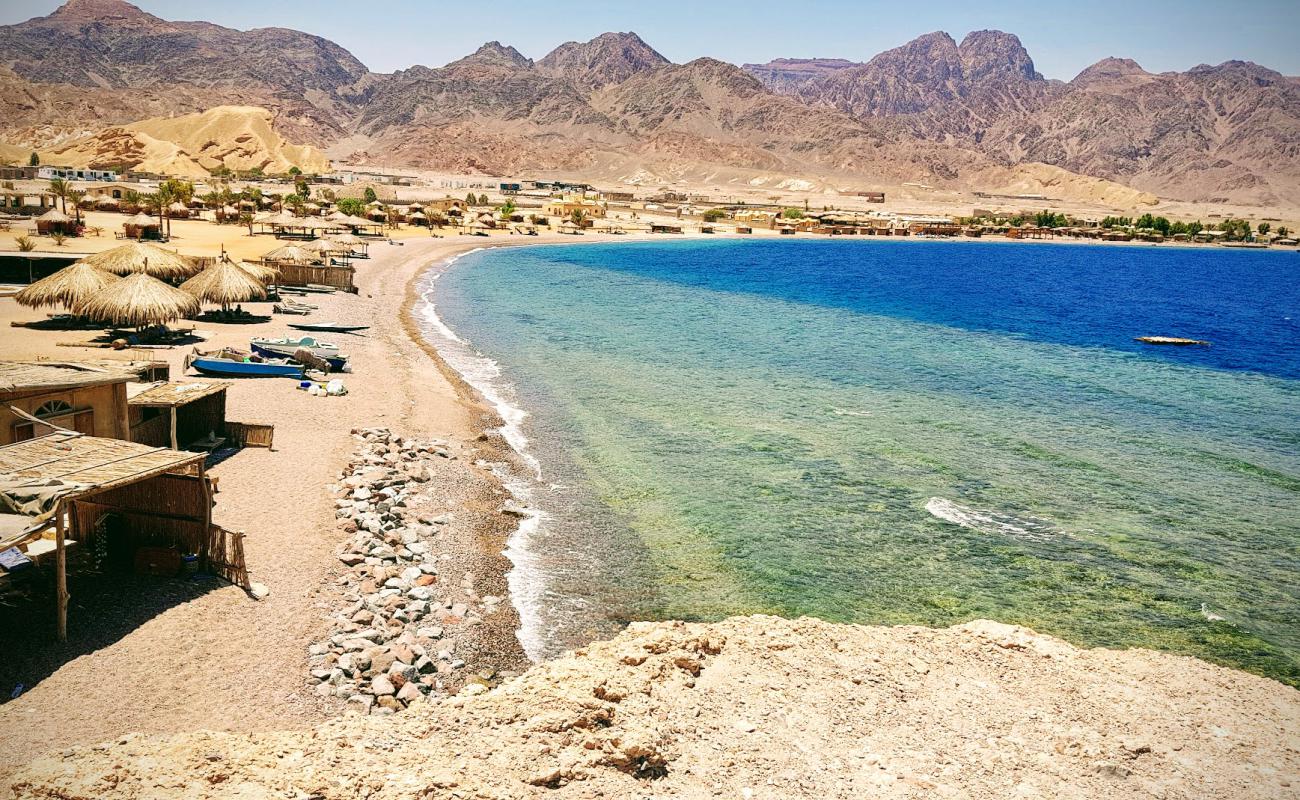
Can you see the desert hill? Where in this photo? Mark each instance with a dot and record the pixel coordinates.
(762, 707)
(236, 137)
(969, 115)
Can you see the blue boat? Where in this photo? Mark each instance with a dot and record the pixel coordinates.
(234, 368)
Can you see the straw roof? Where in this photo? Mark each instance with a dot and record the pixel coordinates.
(224, 282)
(137, 301)
(54, 215)
(229, 210)
(323, 246)
(354, 221)
(283, 219)
(142, 220)
(107, 201)
(178, 208)
(150, 259)
(46, 376)
(417, 215)
(347, 239)
(67, 287)
(260, 272)
(290, 252)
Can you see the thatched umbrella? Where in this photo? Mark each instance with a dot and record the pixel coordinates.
(178, 209)
(138, 301)
(290, 252)
(225, 282)
(347, 239)
(141, 257)
(67, 287)
(260, 272)
(108, 202)
(324, 246)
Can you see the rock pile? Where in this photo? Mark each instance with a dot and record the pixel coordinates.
(388, 648)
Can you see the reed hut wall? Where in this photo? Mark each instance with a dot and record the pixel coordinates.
(164, 511)
(303, 274)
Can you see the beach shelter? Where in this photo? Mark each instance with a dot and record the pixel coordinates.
(67, 287)
(54, 221)
(225, 283)
(138, 301)
(178, 209)
(140, 225)
(149, 259)
(291, 253)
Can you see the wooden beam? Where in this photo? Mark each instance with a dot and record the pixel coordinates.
(61, 572)
(173, 415)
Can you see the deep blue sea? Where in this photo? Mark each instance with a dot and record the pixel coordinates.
(898, 432)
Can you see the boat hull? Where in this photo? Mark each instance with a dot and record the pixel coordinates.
(245, 369)
(325, 327)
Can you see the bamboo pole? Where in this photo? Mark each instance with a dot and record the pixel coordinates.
(173, 416)
(61, 572)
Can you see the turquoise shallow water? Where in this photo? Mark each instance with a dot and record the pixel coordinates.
(887, 433)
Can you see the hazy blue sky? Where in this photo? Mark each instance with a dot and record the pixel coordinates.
(1062, 38)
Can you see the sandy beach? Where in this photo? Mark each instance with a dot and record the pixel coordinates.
(207, 656)
(210, 657)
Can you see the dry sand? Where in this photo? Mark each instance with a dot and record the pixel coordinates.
(761, 707)
(208, 657)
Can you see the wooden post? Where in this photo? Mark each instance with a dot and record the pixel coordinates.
(61, 572)
(174, 446)
(206, 541)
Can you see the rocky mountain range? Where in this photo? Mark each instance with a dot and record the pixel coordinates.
(970, 115)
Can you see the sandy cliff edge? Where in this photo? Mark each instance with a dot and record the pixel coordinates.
(763, 707)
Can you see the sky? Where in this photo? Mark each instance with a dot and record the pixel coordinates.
(1061, 38)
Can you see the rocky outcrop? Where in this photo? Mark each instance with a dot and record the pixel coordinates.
(759, 707)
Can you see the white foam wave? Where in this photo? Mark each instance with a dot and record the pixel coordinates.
(526, 578)
(991, 521)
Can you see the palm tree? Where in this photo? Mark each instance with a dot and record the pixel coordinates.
(247, 219)
(132, 199)
(76, 196)
(60, 188)
(578, 216)
(507, 210)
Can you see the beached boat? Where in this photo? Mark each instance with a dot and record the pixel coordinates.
(288, 348)
(226, 365)
(327, 327)
(1172, 340)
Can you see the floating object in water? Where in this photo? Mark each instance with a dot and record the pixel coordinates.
(1174, 340)
(1210, 615)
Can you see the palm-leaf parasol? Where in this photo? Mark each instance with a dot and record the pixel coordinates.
(142, 257)
(137, 301)
(67, 287)
(225, 282)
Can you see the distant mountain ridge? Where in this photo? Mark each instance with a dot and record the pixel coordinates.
(932, 110)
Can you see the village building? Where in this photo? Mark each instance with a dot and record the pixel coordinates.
(565, 206)
(82, 397)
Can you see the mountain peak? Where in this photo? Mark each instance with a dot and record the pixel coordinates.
(1116, 72)
(494, 51)
(117, 11)
(995, 54)
(607, 59)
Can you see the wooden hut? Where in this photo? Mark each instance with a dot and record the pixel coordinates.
(180, 415)
(55, 221)
(139, 506)
(142, 226)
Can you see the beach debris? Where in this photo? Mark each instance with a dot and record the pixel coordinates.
(389, 646)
